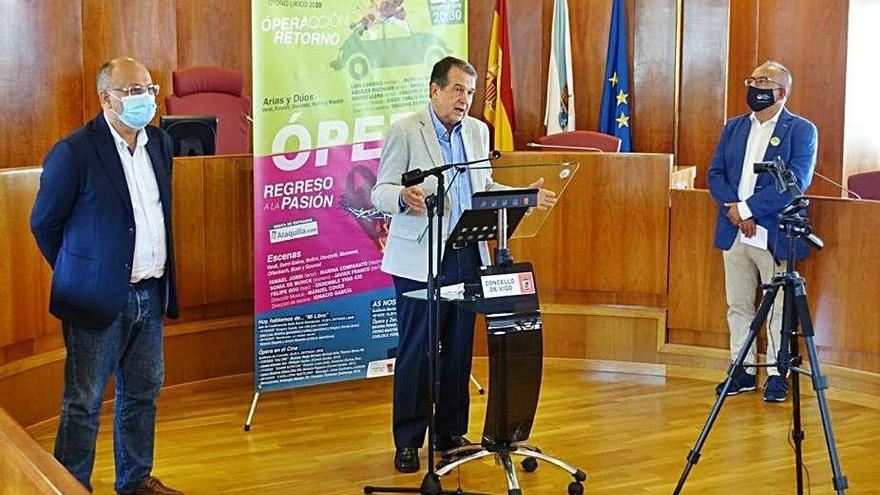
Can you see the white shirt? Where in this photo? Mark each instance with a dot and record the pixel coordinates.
(149, 221)
(756, 147)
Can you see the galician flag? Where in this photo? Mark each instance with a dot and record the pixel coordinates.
(559, 116)
(498, 108)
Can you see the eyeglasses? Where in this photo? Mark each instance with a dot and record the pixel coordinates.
(137, 89)
(762, 82)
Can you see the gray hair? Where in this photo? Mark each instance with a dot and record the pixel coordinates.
(787, 79)
(105, 73)
(103, 79)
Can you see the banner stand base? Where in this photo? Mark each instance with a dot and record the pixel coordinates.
(250, 417)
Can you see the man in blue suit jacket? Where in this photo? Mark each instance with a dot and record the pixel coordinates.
(748, 205)
(102, 219)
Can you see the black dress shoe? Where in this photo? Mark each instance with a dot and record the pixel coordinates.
(451, 442)
(406, 460)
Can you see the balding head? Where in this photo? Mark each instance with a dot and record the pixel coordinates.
(116, 73)
(114, 80)
(778, 73)
(769, 77)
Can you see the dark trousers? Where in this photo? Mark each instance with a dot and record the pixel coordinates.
(131, 349)
(454, 366)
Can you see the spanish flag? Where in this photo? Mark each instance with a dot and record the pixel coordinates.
(498, 108)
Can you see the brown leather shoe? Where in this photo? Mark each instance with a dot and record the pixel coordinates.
(154, 487)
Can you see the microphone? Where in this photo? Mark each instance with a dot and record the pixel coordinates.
(417, 176)
(836, 184)
(777, 165)
(559, 147)
(768, 167)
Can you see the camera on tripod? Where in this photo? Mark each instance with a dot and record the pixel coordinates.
(791, 220)
(785, 179)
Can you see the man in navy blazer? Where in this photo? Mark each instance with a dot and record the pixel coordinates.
(748, 205)
(102, 219)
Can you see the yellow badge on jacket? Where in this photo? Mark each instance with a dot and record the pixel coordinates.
(774, 141)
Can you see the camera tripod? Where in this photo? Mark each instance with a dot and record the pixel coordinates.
(796, 314)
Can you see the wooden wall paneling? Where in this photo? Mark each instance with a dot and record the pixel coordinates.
(862, 135)
(24, 275)
(479, 29)
(742, 53)
(228, 249)
(697, 304)
(843, 282)
(35, 394)
(146, 31)
(213, 217)
(219, 36)
(809, 37)
(209, 353)
(703, 83)
(528, 56)
(653, 42)
(583, 332)
(188, 212)
(40, 60)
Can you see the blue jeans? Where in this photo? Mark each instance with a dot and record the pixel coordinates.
(131, 349)
(410, 411)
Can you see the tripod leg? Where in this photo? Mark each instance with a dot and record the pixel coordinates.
(788, 356)
(820, 383)
(694, 455)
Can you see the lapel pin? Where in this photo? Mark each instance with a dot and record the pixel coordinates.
(774, 141)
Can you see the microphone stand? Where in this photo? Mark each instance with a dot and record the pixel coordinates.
(416, 176)
(564, 147)
(435, 206)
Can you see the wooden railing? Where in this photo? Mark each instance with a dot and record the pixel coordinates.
(26, 468)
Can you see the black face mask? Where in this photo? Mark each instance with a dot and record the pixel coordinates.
(759, 99)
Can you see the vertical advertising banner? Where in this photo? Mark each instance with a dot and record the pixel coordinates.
(329, 77)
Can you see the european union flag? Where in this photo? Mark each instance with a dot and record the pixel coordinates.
(614, 115)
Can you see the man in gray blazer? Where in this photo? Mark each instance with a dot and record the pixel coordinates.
(440, 134)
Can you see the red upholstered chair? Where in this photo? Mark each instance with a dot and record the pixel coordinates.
(865, 184)
(581, 139)
(209, 90)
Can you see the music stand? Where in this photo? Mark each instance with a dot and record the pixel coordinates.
(508, 297)
(513, 324)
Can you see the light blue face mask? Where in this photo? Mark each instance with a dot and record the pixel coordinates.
(137, 110)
